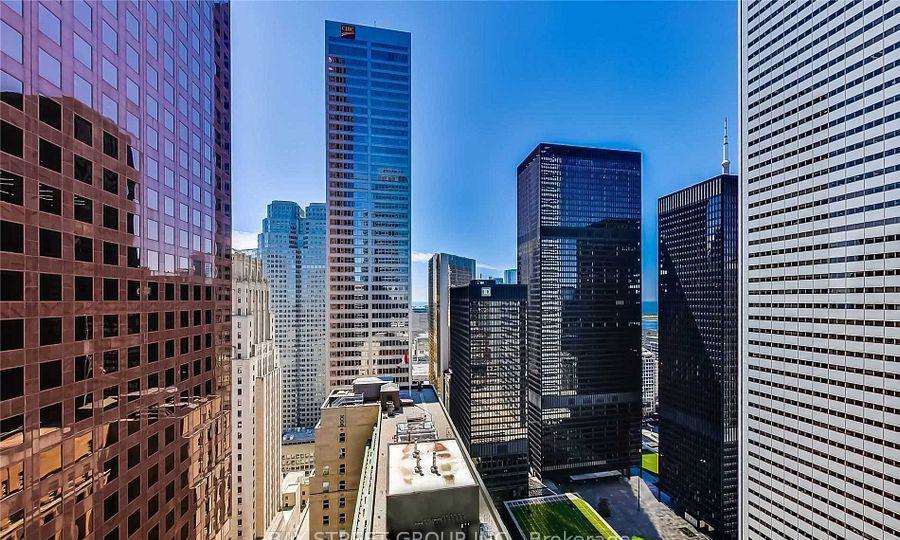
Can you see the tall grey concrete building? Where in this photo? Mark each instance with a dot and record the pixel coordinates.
(292, 248)
(368, 197)
(444, 271)
(820, 155)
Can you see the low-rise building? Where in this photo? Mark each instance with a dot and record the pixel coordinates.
(388, 461)
(297, 449)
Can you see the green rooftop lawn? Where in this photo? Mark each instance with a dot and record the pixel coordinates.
(574, 517)
(650, 462)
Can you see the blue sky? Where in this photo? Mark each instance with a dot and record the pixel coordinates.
(489, 81)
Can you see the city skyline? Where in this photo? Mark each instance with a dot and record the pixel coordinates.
(479, 108)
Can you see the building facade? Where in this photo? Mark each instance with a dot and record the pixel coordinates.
(698, 334)
(819, 150)
(511, 277)
(292, 248)
(368, 197)
(444, 271)
(579, 254)
(487, 389)
(115, 233)
(256, 402)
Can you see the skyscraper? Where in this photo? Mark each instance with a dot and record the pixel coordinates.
(444, 271)
(292, 248)
(579, 251)
(487, 394)
(511, 277)
(311, 372)
(115, 233)
(698, 311)
(256, 402)
(819, 263)
(368, 181)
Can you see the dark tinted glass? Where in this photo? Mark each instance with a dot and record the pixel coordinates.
(50, 155)
(50, 112)
(51, 374)
(51, 287)
(83, 130)
(50, 243)
(84, 209)
(11, 188)
(84, 170)
(11, 286)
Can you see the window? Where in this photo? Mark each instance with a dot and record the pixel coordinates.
(84, 288)
(11, 90)
(133, 289)
(11, 139)
(11, 188)
(11, 237)
(83, 209)
(110, 253)
(83, 170)
(84, 327)
(50, 112)
(50, 155)
(84, 407)
(51, 374)
(134, 323)
(110, 217)
(12, 383)
(133, 257)
(110, 73)
(111, 508)
(49, 199)
(134, 456)
(83, 52)
(51, 287)
(12, 286)
(51, 416)
(51, 331)
(110, 145)
(84, 91)
(110, 289)
(48, 24)
(110, 325)
(84, 367)
(49, 67)
(84, 249)
(83, 13)
(131, 190)
(12, 334)
(110, 181)
(11, 42)
(83, 130)
(110, 361)
(50, 243)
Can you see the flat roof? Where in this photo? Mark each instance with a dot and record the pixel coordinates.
(441, 464)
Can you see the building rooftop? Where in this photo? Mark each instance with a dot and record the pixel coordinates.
(420, 423)
(427, 466)
(299, 436)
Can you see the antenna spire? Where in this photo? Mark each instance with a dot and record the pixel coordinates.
(725, 163)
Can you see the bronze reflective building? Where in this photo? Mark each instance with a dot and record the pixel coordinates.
(114, 270)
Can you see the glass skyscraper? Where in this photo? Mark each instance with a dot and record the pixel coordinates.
(698, 332)
(820, 363)
(444, 271)
(292, 248)
(487, 388)
(579, 254)
(368, 182)
(115, 272)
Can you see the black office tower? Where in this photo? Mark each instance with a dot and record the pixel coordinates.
(698, 318)
(579, 251)
(487, 383)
